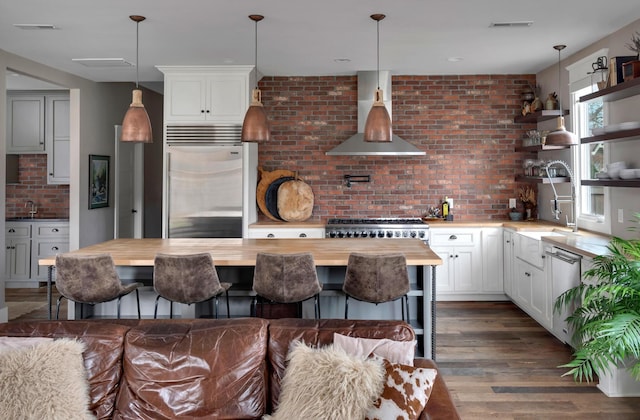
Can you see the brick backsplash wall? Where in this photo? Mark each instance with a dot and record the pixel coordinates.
(464, 123)
(52, 200)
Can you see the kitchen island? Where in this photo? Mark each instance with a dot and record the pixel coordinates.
(330, 255)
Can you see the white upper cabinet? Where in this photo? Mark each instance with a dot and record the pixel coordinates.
(25, 123)
(206, 94)
(57, 139)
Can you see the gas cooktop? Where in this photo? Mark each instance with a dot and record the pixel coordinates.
(380, 221)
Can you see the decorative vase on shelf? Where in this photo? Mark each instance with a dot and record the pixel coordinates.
(551, 102)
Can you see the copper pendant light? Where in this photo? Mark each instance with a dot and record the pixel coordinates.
(377, 128)
(136, 126)
(255, 127)
(560, 136)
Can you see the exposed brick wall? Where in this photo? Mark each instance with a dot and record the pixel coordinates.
(464, 123)
(52, 200)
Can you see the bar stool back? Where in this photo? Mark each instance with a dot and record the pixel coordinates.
(188, 279)
(286, 278)
(377, 279)
(90, 279)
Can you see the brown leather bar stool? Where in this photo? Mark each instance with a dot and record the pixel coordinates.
(286, 278)
(90, 279)
(187, 279)
(377, 279)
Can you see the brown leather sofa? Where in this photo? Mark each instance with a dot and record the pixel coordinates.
(204, 368)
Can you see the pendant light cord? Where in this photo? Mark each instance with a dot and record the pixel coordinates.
(559, 83)
(255, 51)
(137, 52)
(378, 51)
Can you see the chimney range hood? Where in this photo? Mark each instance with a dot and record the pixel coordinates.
(355, 145)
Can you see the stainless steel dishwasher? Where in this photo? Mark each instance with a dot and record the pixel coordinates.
(565, 274)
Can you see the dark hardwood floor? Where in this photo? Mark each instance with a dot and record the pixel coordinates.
(498, 364)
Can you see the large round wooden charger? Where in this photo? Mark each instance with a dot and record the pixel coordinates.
(271, 196)
(295, 201)
(266, 178)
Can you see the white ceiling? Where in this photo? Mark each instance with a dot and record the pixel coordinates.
(304, 38)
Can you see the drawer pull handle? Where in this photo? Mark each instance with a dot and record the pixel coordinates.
(55, 248)
(55, 230)
(303, 235)
(12, 230)
(271, 235)
(453, 237)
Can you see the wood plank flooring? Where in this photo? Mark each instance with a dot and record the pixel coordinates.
(497, 362)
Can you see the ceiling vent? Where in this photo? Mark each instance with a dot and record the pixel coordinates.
(35, 26)
(102, 62)
(521, 24)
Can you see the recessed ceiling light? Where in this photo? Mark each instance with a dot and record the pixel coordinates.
(35, 26)
(455, 59)
(102, 62)
(515, 24)
(342, 60)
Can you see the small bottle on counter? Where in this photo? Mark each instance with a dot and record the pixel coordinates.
(445, 207)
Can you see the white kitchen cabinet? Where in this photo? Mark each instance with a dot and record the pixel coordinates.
(285, 232)
(508, 262)
(206, 94)
(461, 252)
(25, 123)
(492, 261)
(48, 239)
(18, 250)
(57, 136)
(532, 292)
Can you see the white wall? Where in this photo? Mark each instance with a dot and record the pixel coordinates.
(627, 199)
(95, 109)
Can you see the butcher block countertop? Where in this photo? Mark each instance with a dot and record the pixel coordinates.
(242, 252)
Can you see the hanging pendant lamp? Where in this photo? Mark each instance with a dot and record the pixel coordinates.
(255, 127)
(136, 126)
(377, 128)
(560, 136)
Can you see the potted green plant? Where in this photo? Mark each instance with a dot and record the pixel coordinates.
(606, 318)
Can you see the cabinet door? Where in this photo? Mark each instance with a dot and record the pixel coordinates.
(19, 259)
(492, 261)
(185, 98)
(57, 139)
(523, 281)
(227, 98)
(43, 249)
(467, 269)
(507, 266)
(25, 124)
(444, 272)
(540, 298)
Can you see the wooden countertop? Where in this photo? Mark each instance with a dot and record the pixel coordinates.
(242, 252)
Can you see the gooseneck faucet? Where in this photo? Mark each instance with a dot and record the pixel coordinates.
(564, 199)
(33, 210)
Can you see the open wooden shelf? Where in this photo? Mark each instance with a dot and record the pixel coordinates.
(538, 148)
(538, 116)
(616, 135)
(614, 93)
(633, 183)
(542, 179)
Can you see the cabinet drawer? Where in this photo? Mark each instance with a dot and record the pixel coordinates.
(257, 233)
(21, 231)
(48, 248)
(49, 230)
(453, 237)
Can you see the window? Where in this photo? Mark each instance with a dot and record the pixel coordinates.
(588, 159)
(590, 115)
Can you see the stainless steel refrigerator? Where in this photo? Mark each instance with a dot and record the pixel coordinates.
(204, 190)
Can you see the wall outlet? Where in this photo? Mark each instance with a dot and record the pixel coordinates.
(512, 203)
(450, 201)
(620, 215)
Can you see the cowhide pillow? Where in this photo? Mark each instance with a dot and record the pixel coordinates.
(406, 392)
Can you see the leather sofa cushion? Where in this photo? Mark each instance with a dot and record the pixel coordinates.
(320, 332)
(194, 369)
(102, 356)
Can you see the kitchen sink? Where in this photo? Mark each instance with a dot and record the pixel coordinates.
(539, 234)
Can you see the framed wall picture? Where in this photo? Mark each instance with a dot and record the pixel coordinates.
(98, 181)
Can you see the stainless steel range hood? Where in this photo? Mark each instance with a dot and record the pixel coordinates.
(355, 145)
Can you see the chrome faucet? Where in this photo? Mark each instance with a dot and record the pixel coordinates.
(33, 210)
(564, 199)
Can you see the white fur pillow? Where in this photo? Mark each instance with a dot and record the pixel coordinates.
(45, 381)
(326, 383)
(394, 351)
